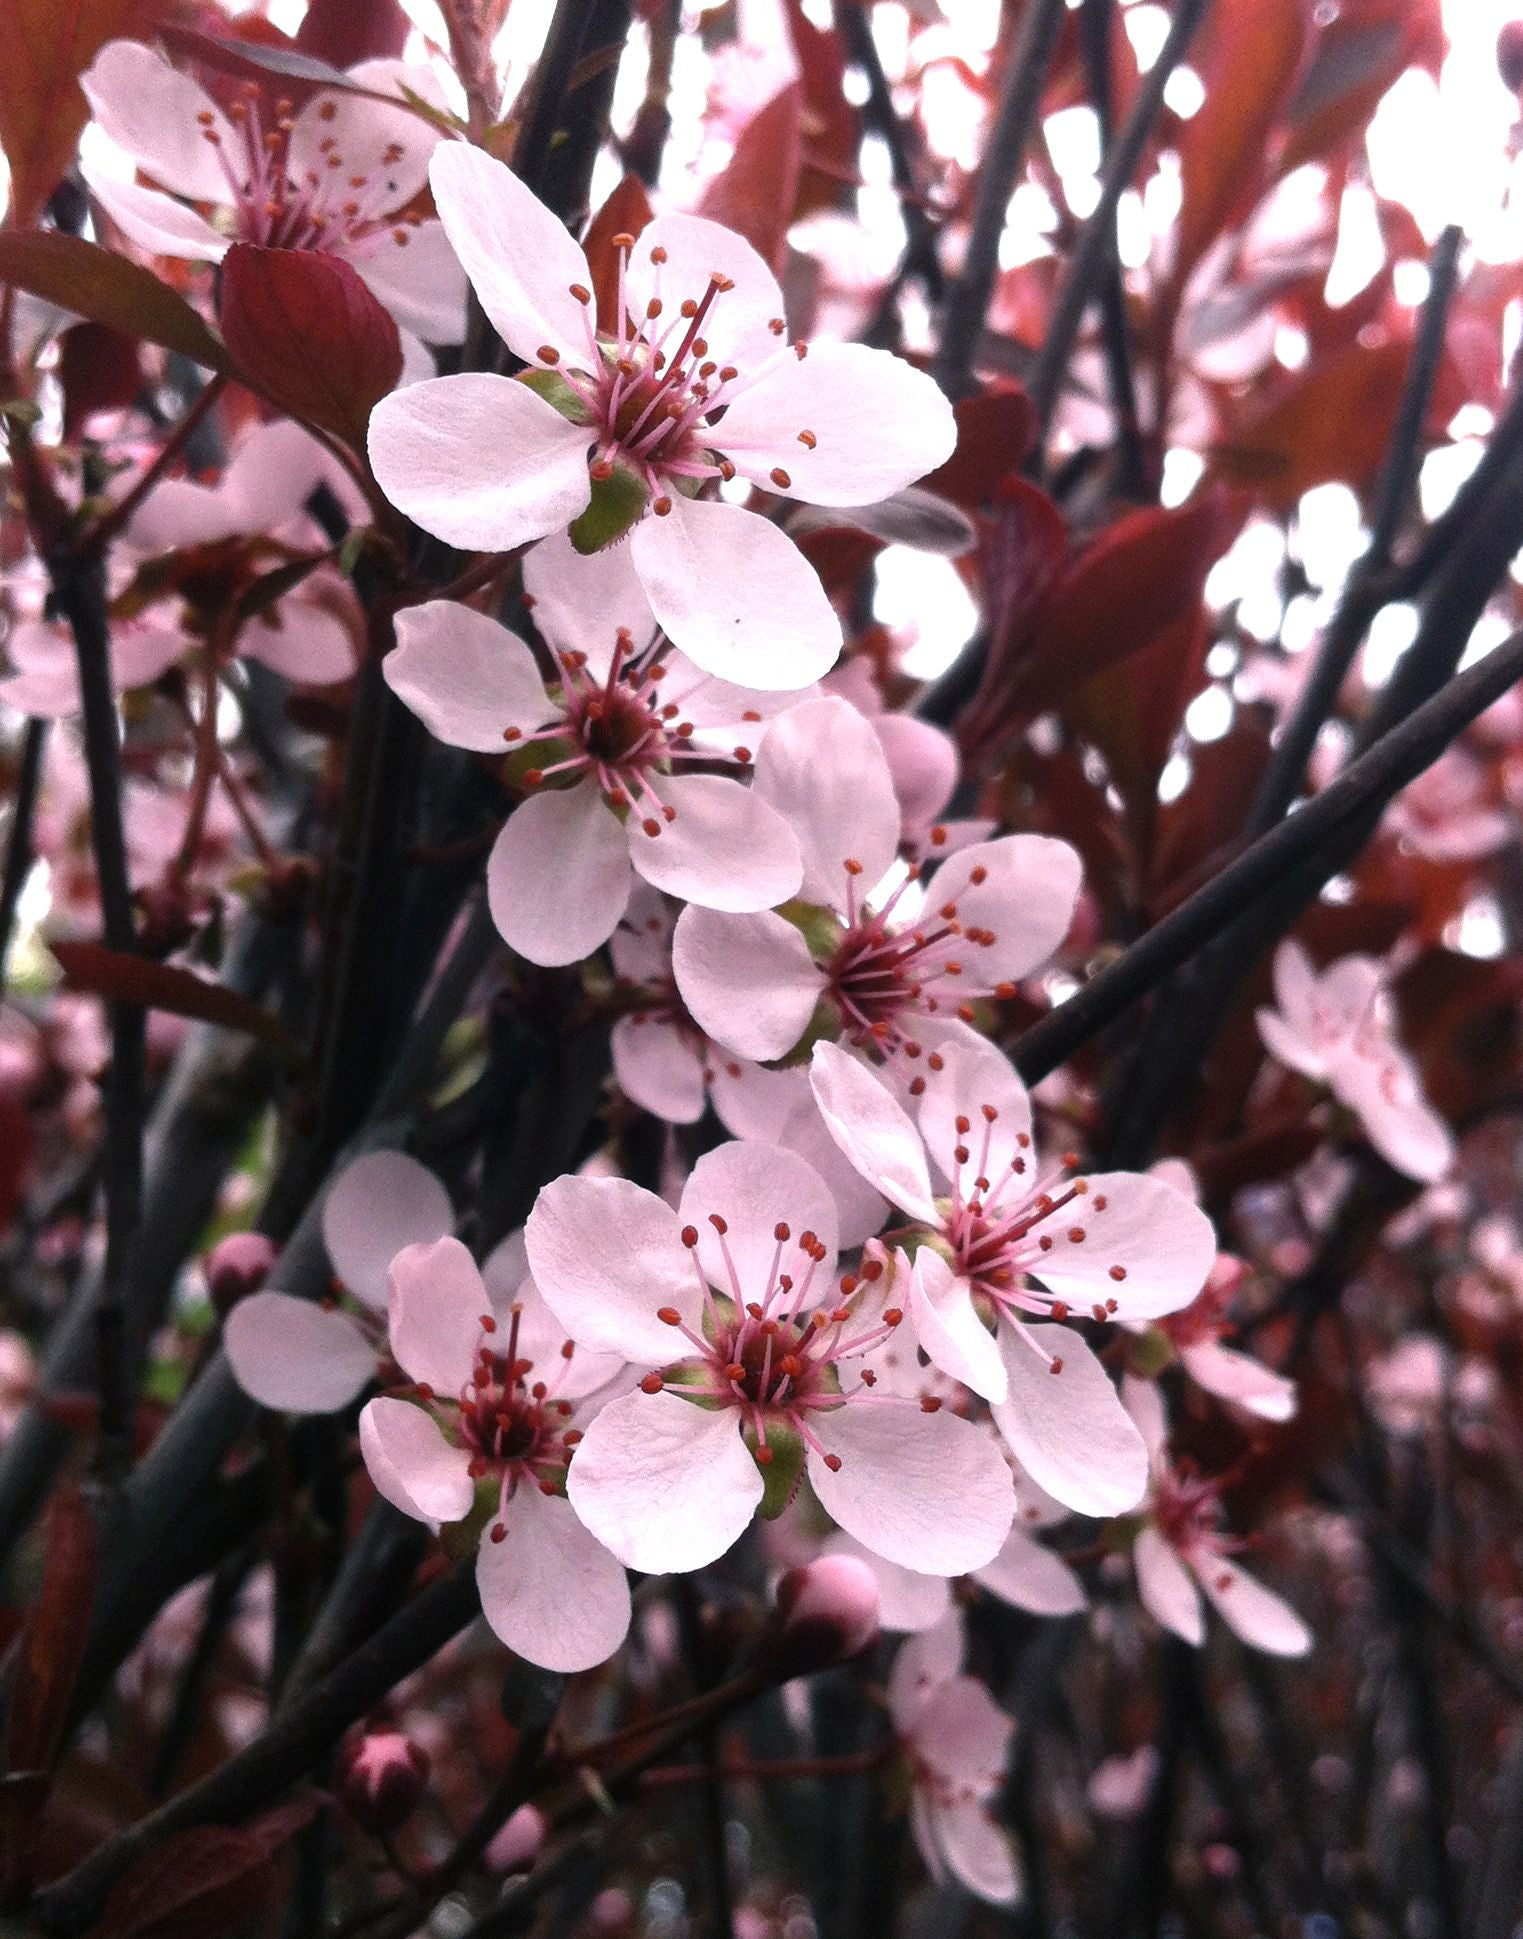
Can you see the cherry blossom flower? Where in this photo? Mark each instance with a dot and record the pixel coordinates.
(1447, 813)
(634, 431)
(1335, 1028)
(338, 175)
(957, 1741)
(45, 677)
(1181, 1552)
(886, 972)
(760, 1363)
(611, 801)
(923, 764)
(1006, 1238)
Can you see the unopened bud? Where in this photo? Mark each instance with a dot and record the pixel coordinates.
(236, 1267)
(1510, 54)
(381, 1778)
(827, 1613)
(517, 1845)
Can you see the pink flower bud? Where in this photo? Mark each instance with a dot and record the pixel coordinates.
(1510, 54)
(827, 1613)
(517, 1845)
(381, 1778)
(236, 1267)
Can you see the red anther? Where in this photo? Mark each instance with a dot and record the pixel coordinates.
(573, 1438)
(423, 1390)
(930, 1404)
(849, 1283)
(791, 1364)
(662, 506)
(728, 374)
(872, 1269)
(735, 1371)
(1059, 1309)
(623, 240)
(893, 1316)
(853, 866)
(948, 911)
(547, 352)
(511, 734)
(1069, 1161)
(781, 1231)
(1081, 1190)
(939, 1063)
(499, 1532)
(1101, 1202)
(1118, 1273)
(568, 1349)
(1076, 1235)
(726, 470)
(653, 309)
(488, 1323)
(669, 1315)
(743, 755)
(917, 1086)
(964, 1125)
(722, 283)
(1004, 991)
(979, 876)
(1056, 1367)
(780, 478)
(1110, 1306)
(651, 825)
(1023, 1138)
(833, 1462)
(581, 293)
(652, 1384)
(658, 254)
(764, 1456)
(808, 1241)
(718, 1224)
(668, 812)
(1045, 1243)
(701, 349)
(1097, 1311)
(688, 307)
(961, 1154)
(601, 469)
(776, 325)
(808, 440)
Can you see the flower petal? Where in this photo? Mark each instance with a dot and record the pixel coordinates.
(162, 118)
(1069, 1429)
(155, 222)
(419, 280)
(749, 981)
(1019, 891)
(580, 601)
(949, 1330)
(755, 1188)
(479, 461)
(664, 1483)
(1261, 1618)
(549, 1589)
(873, 1129)
(340, 131)
(928, 1491)
(465, 677)
(1031, 1577)
(724, 848)
(975, 1851)
(412, 1464)
(296, 1355)
(301, 639)
(1161, 1241)
(974, 1080)
(434, 1320)
(734, 593)
(1167, 1589)
(1239, 1378)
(820, 764)
(558, 877)
(907, 1602)
(607, 1256)
(737, 327)
(519, 256)
(874, 424)
(379, 1204)
(659, 1069)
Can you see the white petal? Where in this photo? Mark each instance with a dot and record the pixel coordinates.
(755, 1188)
(1238, 1377)
(1162, 1242)
(580, 601)
(1167, 1589)
(296, 1355)
(1070, 1429)
(607, 1256)
(907, 1601)
(975, 1079)
(390, 146)
(558, 877)
(434, 1319)
(1143, 1401)
(821, 765)
(479, 461)
(749, 981)
(379, 1204)
(735, 594)
(736, 327)
(1261, 1618)
(1021, 889)
(520, 257)
(549, 1589)
(302, 640)
(659, 1069)
(948, 1328)
(877, 424)
(976, 1852)
(724, 848)
(1285, 1043)
(860, 1207)
(465, 677)
(419, 281)
(928, 1491)
(664, 1483)
(412, 1464)
(154, 112)
(931, 1657)
(155, 222)
(1032, 1578)
(872, 1128)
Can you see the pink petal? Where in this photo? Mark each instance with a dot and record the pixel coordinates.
(949, 1330)
(928, 1491)
(379, 1204)
(607, 1256)
(155, 222)
(664, 1483)
(1295, 984)
(962, 1733)
(1167, 1589)
(907, 1601)
(558, 877)
(579, 601)
(876, 425)
(434, 1320)
(658, 1069)
(975, 1851)
(860, 1207)
(479, 461)
(520, 258)
(389, 146)
(1240, 1378)
(296, 1355)
(930, 1658)
(1031, 1577)
(152, 110)
(543, 1340)
(734, 593)
(873, 1130)
(923, 763)
(302, 639)
(1026, 896)
(412, 1464)
(1261, 1618)
(697, 250)
(754, 1188)
(1143, 1401)
(419, 281)
(1396, 1118)
(820, 764)
(1070, 1429)
(724, 848)
(549, 1589)
(974, 1079)
(1283, 1041)
(465, 677)
(1161, 1240)
(641, 946)
(749, 981)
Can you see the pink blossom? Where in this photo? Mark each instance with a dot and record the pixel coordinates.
(1335, 1028)
(891, 968)
(1005, 1238)
(759, 1355)
(489, 462)
(1447, 814)
(335, 176)
(1181, 1552)
(957, 1741)
(44, 680)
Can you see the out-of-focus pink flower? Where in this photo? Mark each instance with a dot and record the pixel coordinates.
(45, 678)
(336, 176)
(1014, 1241)
(957, 1740)
(490, 462)
(827, 1613)
(1334, 1027)
(381, 1777)
(236, 1267)
(776, 1366)
(1447, 814)
(518, 1843)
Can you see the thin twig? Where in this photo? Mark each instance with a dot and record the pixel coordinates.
(19, 850)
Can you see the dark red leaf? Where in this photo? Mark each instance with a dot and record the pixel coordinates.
(304, 330)
(346, 31)
(122, 978)
(755, 192)
(99, 370)
(15, 1154)
(53, 1637)
(626, 212)
(832, 130)
(108, 289)
(206, 1880)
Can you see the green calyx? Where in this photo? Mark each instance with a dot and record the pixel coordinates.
(557, 393)
(782, 1473)
(617, 503)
